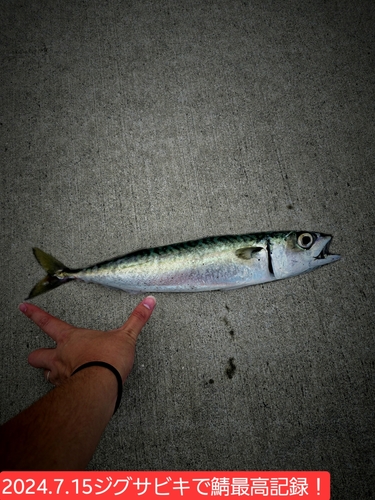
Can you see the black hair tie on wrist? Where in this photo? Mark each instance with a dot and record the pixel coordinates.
(113, 370)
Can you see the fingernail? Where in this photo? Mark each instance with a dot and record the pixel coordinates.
(22, 307)
(149, 302)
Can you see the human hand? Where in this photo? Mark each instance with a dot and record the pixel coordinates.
(76, 346)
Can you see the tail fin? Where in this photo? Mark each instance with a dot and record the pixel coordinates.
(51, 281)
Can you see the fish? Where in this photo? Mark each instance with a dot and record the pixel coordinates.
(212, 263)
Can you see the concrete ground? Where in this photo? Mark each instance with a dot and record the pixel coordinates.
(135, 124)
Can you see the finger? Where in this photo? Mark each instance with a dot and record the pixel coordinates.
(139, 317)
(41, 358)
(51, 325)
(47, 374)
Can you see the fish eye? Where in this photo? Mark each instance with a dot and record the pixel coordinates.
(305, 240)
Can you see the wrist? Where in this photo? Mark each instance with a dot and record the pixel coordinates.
(110, 368)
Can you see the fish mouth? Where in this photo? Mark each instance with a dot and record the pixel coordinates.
(324, 251)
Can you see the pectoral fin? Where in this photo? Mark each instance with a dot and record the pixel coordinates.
(248, 253)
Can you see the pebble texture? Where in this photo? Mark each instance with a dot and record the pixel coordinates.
(130, 124)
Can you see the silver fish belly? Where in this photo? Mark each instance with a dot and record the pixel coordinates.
(223, 262)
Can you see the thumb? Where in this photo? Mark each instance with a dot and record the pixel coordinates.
(139, 317)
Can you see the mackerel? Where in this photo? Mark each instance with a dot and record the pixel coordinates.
(214, 263)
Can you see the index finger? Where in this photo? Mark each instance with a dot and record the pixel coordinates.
(51, 325)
